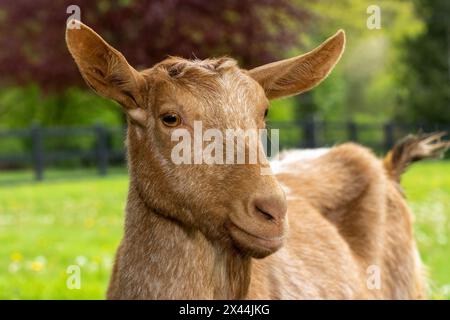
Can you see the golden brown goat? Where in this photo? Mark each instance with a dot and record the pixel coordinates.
(336, 226)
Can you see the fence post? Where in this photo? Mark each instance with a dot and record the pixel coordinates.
(37, 152)
(309, 132)
(352, 131)
(101, 150)
(388, 136)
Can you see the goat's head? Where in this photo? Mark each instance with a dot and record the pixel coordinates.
(233, 204)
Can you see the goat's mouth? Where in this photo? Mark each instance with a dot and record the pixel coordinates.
(255, 245)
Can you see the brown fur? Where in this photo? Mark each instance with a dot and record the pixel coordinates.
(213, 231)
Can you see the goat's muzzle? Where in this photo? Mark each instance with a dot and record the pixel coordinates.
(261, 231)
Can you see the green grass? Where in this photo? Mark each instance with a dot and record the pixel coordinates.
(427, 187)
(46, 227)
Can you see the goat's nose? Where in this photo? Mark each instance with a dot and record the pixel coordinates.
(271, 208)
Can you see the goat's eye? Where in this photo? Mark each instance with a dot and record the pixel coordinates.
(171, 119)
(266, 113)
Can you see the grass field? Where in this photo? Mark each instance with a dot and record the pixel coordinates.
(47, 227)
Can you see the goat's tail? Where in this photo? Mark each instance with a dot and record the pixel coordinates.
(414, 148)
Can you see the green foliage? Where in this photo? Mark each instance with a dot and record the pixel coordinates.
(282, 109)
(427, 76)
(364, 86)
(20, 107)
(72, 107)
(381, 75)
(46, 227)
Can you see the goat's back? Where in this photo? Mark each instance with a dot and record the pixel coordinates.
(350, 232)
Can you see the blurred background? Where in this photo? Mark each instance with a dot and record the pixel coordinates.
(63, 175)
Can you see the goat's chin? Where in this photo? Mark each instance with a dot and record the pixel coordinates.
(252, 245)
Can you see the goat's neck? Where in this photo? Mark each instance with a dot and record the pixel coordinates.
(177, 262)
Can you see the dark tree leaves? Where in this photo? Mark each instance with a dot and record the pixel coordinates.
(33, 47)
(427, 60)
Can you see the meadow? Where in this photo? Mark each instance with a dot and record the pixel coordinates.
(76, 218)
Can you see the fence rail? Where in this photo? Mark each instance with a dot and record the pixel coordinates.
(100, 150)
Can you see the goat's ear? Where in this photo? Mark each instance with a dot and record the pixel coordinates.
(295, 75)
(106, 70)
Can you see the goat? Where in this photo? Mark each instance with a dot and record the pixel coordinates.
(310, 231)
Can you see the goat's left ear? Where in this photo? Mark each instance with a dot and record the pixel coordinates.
(295, 75)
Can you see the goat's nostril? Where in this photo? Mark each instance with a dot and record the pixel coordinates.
(265, 214)
(270, 208)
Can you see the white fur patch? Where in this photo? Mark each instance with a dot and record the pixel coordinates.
(282, 162)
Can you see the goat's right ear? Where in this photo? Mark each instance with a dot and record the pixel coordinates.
(106, 70)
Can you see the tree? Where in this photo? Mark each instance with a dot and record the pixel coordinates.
(364, 86)
(427, 67)
(33, 47)
(40, 83)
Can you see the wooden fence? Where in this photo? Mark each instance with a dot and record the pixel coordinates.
(101, 152)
